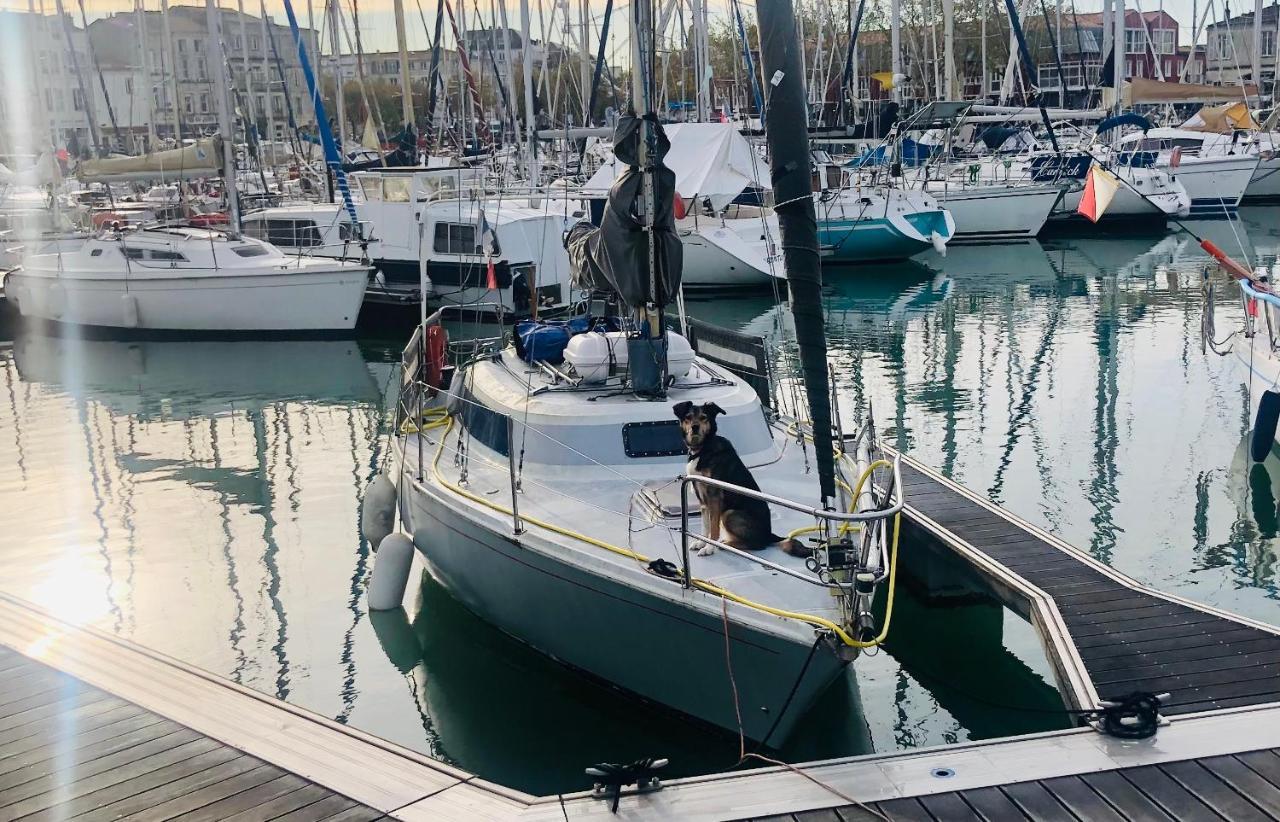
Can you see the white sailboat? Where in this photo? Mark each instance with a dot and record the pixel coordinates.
(558, 501)
(186, 279)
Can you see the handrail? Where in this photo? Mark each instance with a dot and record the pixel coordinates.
(816, 513)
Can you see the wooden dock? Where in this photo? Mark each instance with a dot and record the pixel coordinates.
(1104, 633)
(94, 727)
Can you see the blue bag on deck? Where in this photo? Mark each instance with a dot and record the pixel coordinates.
(545, 341)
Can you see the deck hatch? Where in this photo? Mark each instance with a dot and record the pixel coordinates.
(655, 438)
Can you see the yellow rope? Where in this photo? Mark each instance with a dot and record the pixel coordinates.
(447, 420)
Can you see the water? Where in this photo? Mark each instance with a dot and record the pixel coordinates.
(201, 499)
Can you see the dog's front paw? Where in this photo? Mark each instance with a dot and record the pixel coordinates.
(706, 550)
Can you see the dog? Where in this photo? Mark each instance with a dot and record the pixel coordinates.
(746, 520)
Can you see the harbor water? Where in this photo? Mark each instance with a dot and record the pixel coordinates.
(202, 499)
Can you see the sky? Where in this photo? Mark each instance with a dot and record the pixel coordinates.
(378, 24)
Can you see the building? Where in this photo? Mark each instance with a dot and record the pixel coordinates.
(44, 101)
(1229, 57)
(173, 82)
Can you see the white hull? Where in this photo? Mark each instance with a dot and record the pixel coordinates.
(995, 212)
(648, 645)
(313, 296)
(1265, 183)
(1215, 184)
(1127, 205)
(727, 254)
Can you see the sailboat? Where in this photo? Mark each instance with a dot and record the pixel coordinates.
(555, 499)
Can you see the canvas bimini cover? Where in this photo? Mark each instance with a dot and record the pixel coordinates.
(615, 256)
(711, 161)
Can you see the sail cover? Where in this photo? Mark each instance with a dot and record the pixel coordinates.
(710, 160)
(615, 256)
(201, 159)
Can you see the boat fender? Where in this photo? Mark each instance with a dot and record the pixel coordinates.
(437, 347)
(1264, 426)
(390, 576)
(129, 311)
(939, 244)
(378, 510)
(57, 301)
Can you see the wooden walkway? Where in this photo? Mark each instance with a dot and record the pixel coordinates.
(70, 750)
(1110, 635)
(1241, 787)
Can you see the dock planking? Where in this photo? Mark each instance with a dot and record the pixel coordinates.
(69, 750)
(1129, 637)
(1240, 787)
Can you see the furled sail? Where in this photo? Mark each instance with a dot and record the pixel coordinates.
(615, 256)
(200, 159)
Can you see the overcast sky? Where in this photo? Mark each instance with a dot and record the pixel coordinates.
(378, 25)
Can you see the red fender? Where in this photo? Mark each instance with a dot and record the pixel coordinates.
(437, 345)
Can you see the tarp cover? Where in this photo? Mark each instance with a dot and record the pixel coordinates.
(615, 256)
(1145, 90)
(1223, 119)
(710, 160)
(201, 159)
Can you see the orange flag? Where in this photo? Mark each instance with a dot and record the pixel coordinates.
(1099, 188)
(491, 281)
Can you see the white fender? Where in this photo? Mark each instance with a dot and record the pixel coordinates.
(57, 301)
(939, 244)
(378, 510)
(129, 310)
(391, 565)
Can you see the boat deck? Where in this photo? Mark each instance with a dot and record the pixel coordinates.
(1105, 633)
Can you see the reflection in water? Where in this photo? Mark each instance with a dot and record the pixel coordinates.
(202, 499)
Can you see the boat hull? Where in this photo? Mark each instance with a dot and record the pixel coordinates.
(1265, 184)
(998, 213)
(725, 256)
(309, 299)
(657, 648)
(1215, 184)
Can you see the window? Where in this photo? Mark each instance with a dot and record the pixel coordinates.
(456, 238)
(199, 46)
(1135, 41)
(182, 46)
(1269, 43)
(1164, 40)
(255, 43)
(155, 254)
(128, 85)
(1223, 46)
(186, 104)
(77, 100)
(184, 68)
(236, 43)
(250, 250)
(204, 103)
(395, 189)
(203, 68)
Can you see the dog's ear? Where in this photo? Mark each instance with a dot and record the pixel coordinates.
(711, 409)
(681, 409)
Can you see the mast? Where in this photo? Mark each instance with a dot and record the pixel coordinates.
(1122, 49)
(146, 74)
(336, 46)
(219, 70)
(173, 73)
(266, 74)
(949, 49)
(789, 169)
(895, 47)
(1257, 47)
(250, 114)
(433, 79)
(984, 82)
(510, 91)
(406, 88)
(530, 127)
(68, 30)
(584, 59)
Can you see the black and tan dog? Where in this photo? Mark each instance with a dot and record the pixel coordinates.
(745, 520)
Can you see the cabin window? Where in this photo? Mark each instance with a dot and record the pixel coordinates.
(372, 188)
(395, 189)
(250, 251)
(660, 438)
(153, 254)
(458, 238)
(97, 252)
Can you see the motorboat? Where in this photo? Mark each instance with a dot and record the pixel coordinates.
(434, 222)
(187, 279)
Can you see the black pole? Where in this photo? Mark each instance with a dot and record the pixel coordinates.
(854, 27)
(595, 80)
(788, 141)
(1029, 66)
(1057, 56)
(433, 79)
